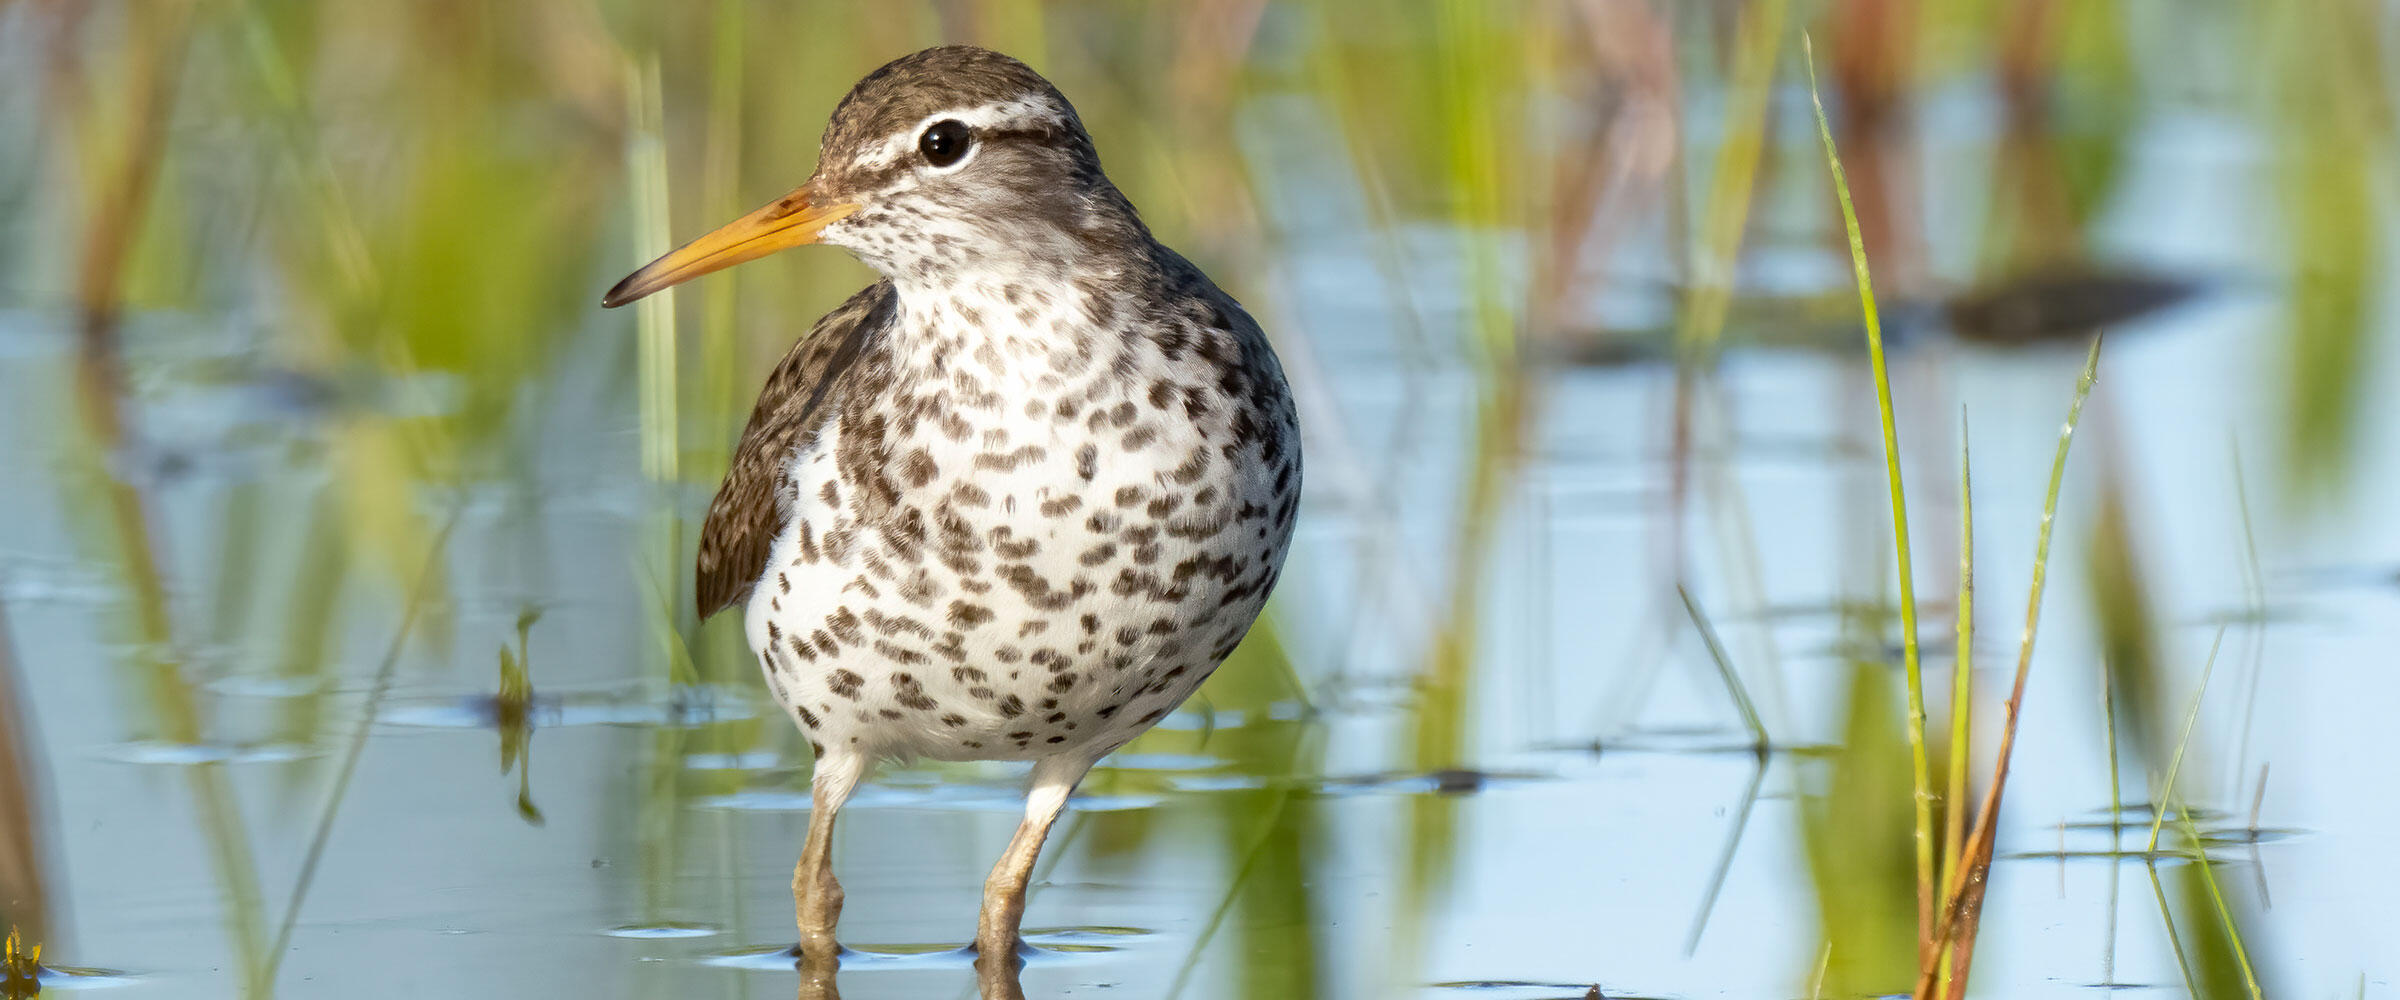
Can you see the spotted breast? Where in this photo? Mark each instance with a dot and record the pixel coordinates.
(1034, 517)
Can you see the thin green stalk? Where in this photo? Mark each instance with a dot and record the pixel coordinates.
(1954, 797)
(1961, 675)
(2158, 808)
(1920, 771)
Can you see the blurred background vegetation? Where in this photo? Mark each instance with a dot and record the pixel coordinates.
(311, 413)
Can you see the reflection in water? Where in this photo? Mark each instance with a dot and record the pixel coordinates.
(512, 710)
(24, 892)
(820, 979)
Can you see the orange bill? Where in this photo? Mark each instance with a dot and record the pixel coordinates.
(790, 221)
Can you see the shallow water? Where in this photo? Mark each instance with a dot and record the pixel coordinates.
(1604, 824)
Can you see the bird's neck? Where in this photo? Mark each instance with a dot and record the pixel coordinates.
(1013, 329)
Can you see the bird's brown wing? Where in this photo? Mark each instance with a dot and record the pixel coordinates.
(749, 510)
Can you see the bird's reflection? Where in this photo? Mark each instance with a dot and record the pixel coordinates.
(993, 980)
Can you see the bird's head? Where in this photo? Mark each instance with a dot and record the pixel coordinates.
(951, 160)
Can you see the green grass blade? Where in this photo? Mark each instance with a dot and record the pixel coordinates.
(2166, 791)
(1962, 688)
(1921, 771)
(1962, 703)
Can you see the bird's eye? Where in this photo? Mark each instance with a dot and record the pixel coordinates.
(944, 142)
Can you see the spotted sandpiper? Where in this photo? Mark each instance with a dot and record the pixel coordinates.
(1015, 500)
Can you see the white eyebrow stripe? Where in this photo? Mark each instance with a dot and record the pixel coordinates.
(1020, 111)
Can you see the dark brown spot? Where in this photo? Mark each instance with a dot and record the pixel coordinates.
(918, 469)
(910, 693)
(897, 653)
(845, 626)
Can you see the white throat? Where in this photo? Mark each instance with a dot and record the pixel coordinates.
(1007, 332)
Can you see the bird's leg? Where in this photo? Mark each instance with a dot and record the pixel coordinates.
(816, 895)
(1004, 892)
